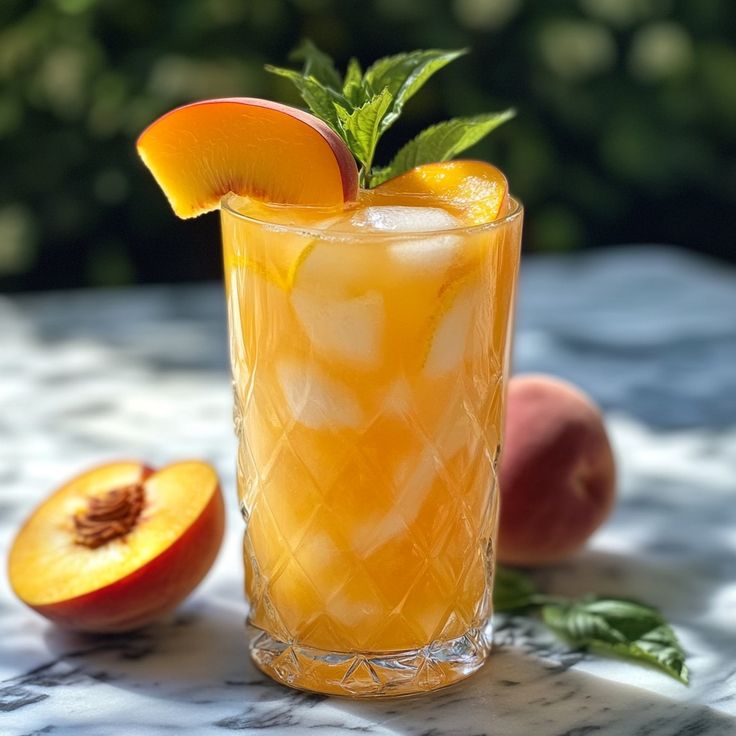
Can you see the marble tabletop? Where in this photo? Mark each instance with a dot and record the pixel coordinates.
(650, 332)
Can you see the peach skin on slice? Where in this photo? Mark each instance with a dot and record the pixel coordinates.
(475, 191)
(256, 148)
(119, 545)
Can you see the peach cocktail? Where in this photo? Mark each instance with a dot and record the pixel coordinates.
(369, 345)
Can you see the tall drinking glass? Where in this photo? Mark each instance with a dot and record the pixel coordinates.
(369, 372)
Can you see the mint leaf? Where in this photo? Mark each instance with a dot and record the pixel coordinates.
(404, 75)
(352, 88)
(361, 126)
(625, 628)
(512, 590)
(321, 100)
(317, 64)
(442, 142)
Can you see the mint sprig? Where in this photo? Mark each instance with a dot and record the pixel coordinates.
(603, 625)
(361, 106)
(361, 127)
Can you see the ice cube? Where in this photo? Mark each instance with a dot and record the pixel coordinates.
(333, 270)
(344, 329)
(399, 397)
(315, 399)
(320, 559)
(413, 481)
(352, 611)
(400, 219)
(434, 252)
(447, 349)
(457, 434)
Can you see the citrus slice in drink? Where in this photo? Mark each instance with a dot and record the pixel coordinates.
(256, 148)
(474, 191)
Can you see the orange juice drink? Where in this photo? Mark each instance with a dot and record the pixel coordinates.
(369, 354)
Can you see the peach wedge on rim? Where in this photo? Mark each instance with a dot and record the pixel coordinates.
(200, 152)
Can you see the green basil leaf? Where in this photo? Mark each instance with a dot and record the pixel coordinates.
(511, 590)
(662, 648)
(361, 126)
(442, 142)
(404, 75)
(624, 628)
(320, 99)
(317, 64)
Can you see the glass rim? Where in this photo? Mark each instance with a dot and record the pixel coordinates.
(351, 235)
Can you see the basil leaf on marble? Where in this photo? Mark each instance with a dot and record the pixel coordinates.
(603, 625)
(619, 627)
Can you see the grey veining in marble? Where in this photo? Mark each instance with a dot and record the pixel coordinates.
(649, 332)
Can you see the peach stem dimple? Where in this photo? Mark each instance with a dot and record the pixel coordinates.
(109, 516)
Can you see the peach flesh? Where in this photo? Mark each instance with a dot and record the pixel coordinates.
(557, 473)
(130, 580)
(201, 151)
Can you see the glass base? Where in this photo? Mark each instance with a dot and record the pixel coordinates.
(371, 674)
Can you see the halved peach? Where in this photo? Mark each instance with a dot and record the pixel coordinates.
(257, 148)
(119, 545)
(475, 191)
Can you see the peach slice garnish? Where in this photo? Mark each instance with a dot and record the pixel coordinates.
(119, 545)
(256, 148)
(475, 191)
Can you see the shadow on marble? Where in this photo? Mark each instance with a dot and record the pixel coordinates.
(517, 694)
(199, 658)
(198, 647)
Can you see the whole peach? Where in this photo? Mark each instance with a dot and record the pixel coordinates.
(557, 473)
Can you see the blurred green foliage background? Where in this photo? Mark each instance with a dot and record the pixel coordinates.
(626, 129)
